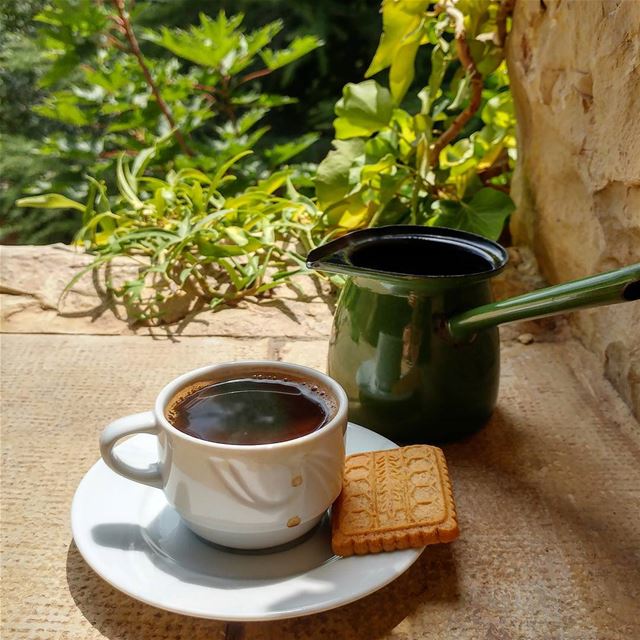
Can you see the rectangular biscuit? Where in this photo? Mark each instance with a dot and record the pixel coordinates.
(393, 499)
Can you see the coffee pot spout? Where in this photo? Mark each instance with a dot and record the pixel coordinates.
(331, 257)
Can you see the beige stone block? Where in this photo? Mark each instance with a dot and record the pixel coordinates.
(33, 278)
(575, 79)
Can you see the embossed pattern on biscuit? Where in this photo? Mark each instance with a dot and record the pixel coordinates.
(394, 499)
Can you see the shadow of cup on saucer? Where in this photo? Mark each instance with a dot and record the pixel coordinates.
(173, 548)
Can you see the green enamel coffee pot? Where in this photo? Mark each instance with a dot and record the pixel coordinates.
(415, 340)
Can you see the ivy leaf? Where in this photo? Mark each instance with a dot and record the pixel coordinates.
(370, 172)
(484, 214)
(332, 177)
(438, 66)
(476, 13)
(349, 213)
(363, 109)
(385, 142)
(402, 70)
(499, 111)
(488, 144)
(458, 157)
(486, 55)
(399, 18)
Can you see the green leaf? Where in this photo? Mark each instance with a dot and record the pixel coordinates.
(123, 179)
(299, 47)
(280, 153)
(438, 67)
(484, 214)
(253, 43)
(267, 100)
(142, 160)
(405, 124)
(332, 176)
(476, 12)
(273, 182)
(238, 235)
(63, 106)
(222, 170)
(382, 144)
(488, 144)
(50, 201)
(461, 93)
(402, 70)
(459, 156)
(232, 272)
(486, 55)
(499, 111)
(383, 166)
(248, 119)
(218, 250)
(192, 174)
(215, 43)
(399, 19)
(363, 109)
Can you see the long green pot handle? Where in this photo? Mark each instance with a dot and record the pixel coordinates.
(621, 285)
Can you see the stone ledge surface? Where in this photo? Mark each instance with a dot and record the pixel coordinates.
(32, 279)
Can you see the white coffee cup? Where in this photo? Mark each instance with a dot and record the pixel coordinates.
(241, 496)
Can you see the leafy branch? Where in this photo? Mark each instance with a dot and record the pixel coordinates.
(124, 24)
(187, 238)
(476, 81)
(449, 162)
(200, 85)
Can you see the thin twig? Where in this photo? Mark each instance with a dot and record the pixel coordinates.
(253, 75)
(125, 24)
(505, 10)
(414, 201)
(468, 64)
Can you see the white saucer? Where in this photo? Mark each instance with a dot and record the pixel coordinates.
(132, 538)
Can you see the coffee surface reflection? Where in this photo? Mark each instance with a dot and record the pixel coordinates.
(249, 411)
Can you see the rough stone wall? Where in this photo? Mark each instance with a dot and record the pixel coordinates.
(575, 74)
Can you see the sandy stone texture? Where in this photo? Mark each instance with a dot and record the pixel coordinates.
(575, 77)
(33, 278)
(547, 498)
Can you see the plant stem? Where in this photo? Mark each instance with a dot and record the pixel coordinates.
(505, 10)
(414, 200)
(254, 75)
(127, 28)
(468, 64)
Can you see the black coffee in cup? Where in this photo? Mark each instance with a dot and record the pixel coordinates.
(249, 411)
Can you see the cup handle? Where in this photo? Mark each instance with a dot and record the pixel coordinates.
(129, 425)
